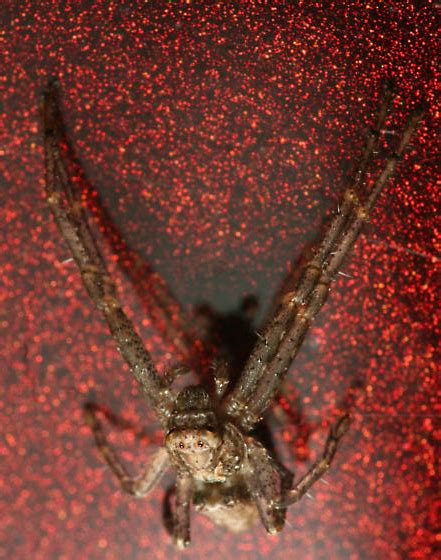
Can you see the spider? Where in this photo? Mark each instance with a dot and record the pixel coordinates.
(221, 468)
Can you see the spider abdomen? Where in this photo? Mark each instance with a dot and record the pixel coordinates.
(227, 504)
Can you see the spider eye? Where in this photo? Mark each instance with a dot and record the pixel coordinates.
(181, 445)
(200, 444)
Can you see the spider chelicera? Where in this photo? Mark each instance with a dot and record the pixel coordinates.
(222, 470)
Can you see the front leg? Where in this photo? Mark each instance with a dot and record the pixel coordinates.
(282, 339)
(137, 486)
(74, 227)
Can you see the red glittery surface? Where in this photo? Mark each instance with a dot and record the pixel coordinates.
(219, 137)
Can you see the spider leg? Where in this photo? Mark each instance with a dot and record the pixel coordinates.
(264, 349)
(117, 421)
(292, 340)
(56, 171)
(137, 486)
(351, 200)
(262, 378)
(73, 225)
(181, 516)
(320, 467)
(267, 483)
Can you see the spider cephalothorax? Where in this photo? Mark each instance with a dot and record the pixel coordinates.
(193, 440)
(199, 443)
(222, 470)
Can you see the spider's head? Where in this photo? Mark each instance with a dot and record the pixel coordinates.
(193, 438)
(198, 449)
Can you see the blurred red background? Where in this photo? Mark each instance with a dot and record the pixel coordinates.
(219, 137)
